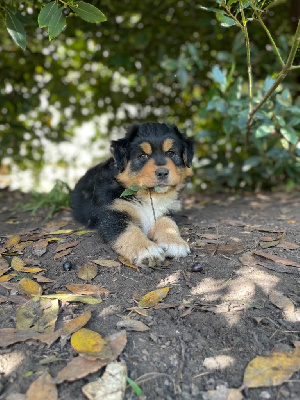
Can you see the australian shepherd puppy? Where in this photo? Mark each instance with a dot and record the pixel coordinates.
(152, 162)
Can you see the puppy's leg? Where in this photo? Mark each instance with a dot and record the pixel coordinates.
(166, 234)
(128, 240)
(137, 248)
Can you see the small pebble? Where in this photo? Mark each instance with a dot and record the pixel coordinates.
(2, 241)
(197, 268)
(67, 266)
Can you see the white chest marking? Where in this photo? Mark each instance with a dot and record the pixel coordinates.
(161, 206)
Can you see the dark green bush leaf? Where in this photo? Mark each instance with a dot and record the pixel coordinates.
(56, 24)
(289, 134)
(16, 29)
(46, 14)
(88, 12)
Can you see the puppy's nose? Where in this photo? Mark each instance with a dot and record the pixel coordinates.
(162, 173)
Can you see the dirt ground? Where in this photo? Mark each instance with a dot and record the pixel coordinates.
(207, 329)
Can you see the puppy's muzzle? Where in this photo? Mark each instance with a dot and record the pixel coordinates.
(162, 173)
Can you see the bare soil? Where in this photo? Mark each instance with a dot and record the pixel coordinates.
(212, 322)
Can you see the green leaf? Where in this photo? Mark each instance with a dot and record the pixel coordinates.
(225, 21)
(289, 134)
(251, 162)
(87, 12)
(169, 64)
(219, 76)
(46, 14)
(264, 130)
(56, 24)
(268, 83)
(16, 30)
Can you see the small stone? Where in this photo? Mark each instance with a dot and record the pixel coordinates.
(265, 395)
(197, 268)
(67, 266)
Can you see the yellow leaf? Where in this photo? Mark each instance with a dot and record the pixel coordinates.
(107, 263)
(152, 298)
(61, 232)
(76, 324)
(272, 370)
(73, 297)
(6, 278)
(90, 344)
(11, 242)
(127, 263)
(30, 287)
(82, 232)
(87, 272)
(18, 265)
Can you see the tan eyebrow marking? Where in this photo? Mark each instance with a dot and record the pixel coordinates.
(167, 144)
(146, 147)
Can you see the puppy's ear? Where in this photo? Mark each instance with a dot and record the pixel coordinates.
(188, 152)
(119, 150)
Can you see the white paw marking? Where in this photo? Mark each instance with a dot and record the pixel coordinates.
(177, 250)
(151, 256)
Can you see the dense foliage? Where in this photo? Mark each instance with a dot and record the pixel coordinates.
(171, 60)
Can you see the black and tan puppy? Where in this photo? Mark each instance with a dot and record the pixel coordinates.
(157, 158)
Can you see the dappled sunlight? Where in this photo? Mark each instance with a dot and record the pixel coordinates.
(210, 289)
(218, 362)
(263, 279)
(10, 362)
(170, 280)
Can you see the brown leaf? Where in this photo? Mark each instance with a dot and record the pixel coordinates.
(80, 367)
(150, 299)
(76, 324)
(287, 245)
(62, 254)
(277, 259)
(40, 247)
(84, 288)
(21, 246)
(42, 388)
(107, 263)
(267, 244)
(42, 279)
(230, 248)
(126, 262)
(232, 222)
(87, 272)
(282, 302)
(10, 336)
(67, 245)
(272, 370)
(3, 263)
(11, 242)
(248, 259)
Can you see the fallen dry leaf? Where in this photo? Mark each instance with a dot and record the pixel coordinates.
(6, 278)
(30, 287)
(67, 245)
(73, 297)
(61, 232)
(110, 386)
(288, 245)
(126, 262)
(224, 248)
(42, 388)
(19, 265)
(84, 288)
(10, 336)
(62, 254)
(43, 279)
(90, 344)
(3, 263)
(21, 246)
(83, 232)
(12, 241)
(272, 370)
(76, 324)
(87, 272)
(40, 247)
(152, 298)
(107, 263)
(285, 304)
(277, 259)
(38, 315)
(132, 325)
(80, 367)
(232, 222)
(141, 311)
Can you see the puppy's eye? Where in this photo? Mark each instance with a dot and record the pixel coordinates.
(170, 153)
(143, 156)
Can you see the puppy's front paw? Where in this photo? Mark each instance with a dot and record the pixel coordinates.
(149, 256)
(174, 247)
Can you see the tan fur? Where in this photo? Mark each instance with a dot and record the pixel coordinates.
(167, 144)
(137, 248)
(146, 147)
(165, 229)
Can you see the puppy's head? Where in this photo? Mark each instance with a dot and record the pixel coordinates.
(153, 155)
